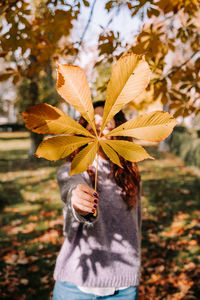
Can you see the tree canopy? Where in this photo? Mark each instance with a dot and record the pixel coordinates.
(36, 33)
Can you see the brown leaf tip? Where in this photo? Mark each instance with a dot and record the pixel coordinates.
(60, 81)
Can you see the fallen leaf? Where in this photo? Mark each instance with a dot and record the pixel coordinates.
(24, 281)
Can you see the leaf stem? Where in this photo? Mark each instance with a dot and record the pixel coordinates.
(95, 185)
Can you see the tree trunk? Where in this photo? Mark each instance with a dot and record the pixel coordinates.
(35, 137)
(164, 146)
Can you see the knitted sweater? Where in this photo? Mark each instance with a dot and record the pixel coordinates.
(102, 251)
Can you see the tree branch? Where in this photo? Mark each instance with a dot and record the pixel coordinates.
(10, 5)
(111, 18)
(177, 68)
(85, 30)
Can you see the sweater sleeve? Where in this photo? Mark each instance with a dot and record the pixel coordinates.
(67, 185)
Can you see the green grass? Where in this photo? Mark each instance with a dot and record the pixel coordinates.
(31, 224)
(30, 201)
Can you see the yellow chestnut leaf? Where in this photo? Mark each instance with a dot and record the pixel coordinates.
(84, 158)
(129, 150)
(130, 76)
(72, 85)
(61, 146)
(154, 126)
(46, 119)
(112, 155)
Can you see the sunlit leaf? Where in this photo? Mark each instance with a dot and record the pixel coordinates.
(130, 76)
(129, 150)
(46, 119)
(73, 87)
(154, 126)
(112, 155)
(60, 146)
(84, 158)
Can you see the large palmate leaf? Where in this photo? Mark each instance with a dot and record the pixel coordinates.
(46, 119)
(129, 150)
(84, 158)
(73, 87)
(112, 155)
(154, 126)
(130, 76)
(60, 146)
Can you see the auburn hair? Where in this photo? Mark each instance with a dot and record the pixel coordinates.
(128, 177)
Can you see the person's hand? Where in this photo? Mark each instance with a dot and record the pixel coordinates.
(84, 199)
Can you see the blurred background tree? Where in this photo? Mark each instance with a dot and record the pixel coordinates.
(36, 34)
(31, 33)
(170, 40)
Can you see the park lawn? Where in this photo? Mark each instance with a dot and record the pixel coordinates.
(31, 224)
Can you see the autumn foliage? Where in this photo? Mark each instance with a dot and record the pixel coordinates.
(169, 36)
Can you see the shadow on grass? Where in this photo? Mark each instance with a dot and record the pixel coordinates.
(10, 163)
(173, 195)
(10, 191)
(9, 158)
(5, 138)
(9, 194)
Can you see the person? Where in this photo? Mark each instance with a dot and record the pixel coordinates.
(100, 257)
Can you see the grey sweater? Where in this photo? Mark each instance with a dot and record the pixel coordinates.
(102, 251)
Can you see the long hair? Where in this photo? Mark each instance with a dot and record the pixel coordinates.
(128, 177)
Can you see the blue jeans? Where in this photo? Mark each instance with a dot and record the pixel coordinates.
(69, 291)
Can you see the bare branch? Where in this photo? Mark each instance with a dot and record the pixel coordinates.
(176, 69)
(112, 17)
(85, 30)
(10, 5)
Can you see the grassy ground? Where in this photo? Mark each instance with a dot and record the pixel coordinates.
(31, 224)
